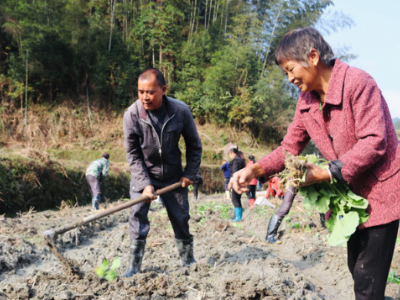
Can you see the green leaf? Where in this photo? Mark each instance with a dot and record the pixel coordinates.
(303, 191)
(312, 159)
(363, 203)
(322, 204)
(330, 223)
(312, 194)
(335, 200)
(116, 264)
(350, 194)
(296, 225)
(101, 271)
(344, 228)
(326, 193)
(393, 278)
(111, 275)
(307, 203)
(105, 263)
(363, 215)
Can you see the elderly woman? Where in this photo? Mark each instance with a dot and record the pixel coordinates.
(343, 111)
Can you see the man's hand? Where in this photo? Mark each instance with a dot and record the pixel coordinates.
(149, 191)
(241, 179)
(315, 174)
(185, 182)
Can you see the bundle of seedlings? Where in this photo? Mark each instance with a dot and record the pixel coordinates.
(347, 210)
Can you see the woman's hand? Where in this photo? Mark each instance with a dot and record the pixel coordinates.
(241, 179)
(315, 174)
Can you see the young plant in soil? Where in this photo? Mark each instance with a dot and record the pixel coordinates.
(108, 273)
(347, 210)
(393, 277)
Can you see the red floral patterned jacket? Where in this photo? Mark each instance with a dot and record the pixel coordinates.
(355, 127)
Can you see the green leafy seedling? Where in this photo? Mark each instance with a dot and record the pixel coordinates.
(393, 277)
(223, 209)
(108, 273)
(347, 210)
(236, 225)
(296, 225)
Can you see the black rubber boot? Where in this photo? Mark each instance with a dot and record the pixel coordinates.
(322, 220)
(185, 249)
(135, 258)
(273, 229)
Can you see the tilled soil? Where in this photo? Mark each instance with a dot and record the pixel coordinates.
(233, 260)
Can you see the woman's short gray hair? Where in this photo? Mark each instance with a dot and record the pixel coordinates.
(298, 43)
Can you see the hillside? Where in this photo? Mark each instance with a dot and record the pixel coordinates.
(43, 164)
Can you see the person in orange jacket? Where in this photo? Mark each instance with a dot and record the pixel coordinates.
(274, 188)
(251, 194)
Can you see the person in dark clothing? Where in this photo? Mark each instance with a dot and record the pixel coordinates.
(227, 177)
(283, 210)
(235, 165)
(153, 126)
(277, 218)
(196, 184)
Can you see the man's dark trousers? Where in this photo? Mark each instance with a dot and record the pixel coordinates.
(177, 205)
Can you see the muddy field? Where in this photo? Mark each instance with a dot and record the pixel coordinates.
(233, 260)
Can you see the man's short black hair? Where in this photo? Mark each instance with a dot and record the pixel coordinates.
(105, 155)
(148, 73)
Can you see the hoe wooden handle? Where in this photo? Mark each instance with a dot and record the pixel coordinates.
(49, 235)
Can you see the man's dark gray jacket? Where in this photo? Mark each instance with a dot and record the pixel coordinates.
(156, 160)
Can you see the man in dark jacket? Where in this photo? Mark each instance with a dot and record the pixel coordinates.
(235, 165)
(153, 126)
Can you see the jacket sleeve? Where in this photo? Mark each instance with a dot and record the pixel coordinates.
(370, 128)
(295, 140)
(134, 153)
(105, 169)
(193, 146)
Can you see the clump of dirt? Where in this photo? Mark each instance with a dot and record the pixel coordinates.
(233, 259)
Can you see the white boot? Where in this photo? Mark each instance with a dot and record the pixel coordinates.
(228, 196)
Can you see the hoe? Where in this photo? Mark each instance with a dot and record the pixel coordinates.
(50, 235)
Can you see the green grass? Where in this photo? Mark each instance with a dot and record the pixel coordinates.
(237, 225)
(393, 277)
(84, 155)
(296, 225)
(223, 210)
(261, 211)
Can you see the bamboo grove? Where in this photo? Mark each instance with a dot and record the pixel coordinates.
(217, 55)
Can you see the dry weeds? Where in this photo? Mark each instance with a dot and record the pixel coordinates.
(293, 172)
(60, 127)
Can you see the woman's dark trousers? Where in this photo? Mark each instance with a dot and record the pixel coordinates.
(370, 253)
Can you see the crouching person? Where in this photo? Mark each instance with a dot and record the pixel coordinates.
(94, 173)
(153, 126)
